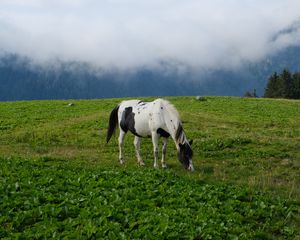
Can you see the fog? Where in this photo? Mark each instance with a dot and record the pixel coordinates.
(127, 34)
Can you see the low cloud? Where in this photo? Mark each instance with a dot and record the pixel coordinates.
(126, 34)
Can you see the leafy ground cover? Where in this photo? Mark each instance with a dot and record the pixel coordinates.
(52, 198)
(59, 178)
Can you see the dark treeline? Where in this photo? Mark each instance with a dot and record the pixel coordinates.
(283, 85)
(20, 79)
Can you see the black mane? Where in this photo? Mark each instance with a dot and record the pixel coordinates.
(179, 132)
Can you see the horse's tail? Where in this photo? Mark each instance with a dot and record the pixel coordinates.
(113, 120)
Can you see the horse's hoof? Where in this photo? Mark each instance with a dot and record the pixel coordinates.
(121, 162)
(164, 166)
(155, 166)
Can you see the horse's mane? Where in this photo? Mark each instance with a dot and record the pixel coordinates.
(171, 109)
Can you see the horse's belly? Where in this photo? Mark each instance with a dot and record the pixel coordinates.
(142, 128)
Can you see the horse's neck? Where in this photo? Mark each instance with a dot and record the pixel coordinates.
(174, 126)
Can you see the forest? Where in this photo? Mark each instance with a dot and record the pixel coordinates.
(23, 79)
(283, 85)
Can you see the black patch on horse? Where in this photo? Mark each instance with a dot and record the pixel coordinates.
(141, 103)
(179, 132)
(163, 133)
(127, 121)
(185, 153)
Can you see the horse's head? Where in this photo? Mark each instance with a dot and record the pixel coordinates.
(185, 154)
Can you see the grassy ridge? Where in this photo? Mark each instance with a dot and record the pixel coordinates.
(251, 144)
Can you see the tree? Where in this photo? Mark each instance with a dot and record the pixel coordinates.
(296, 85)
(273, 89)
(251, 94)
(286, 84)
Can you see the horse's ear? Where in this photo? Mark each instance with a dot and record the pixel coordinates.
(191, 142)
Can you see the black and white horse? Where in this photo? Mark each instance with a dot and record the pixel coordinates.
(151, 119)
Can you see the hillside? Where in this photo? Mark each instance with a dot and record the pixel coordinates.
(21, 79)
(246, 183)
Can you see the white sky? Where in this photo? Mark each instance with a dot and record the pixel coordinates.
(133, 33)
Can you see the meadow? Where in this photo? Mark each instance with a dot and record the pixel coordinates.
(59, 179)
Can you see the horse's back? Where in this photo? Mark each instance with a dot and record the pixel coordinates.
(129, 103)
(126, 104)
(142, 118)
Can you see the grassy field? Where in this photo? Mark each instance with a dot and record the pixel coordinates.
(59, 179)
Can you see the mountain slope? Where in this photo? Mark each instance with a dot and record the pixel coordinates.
(22, 80)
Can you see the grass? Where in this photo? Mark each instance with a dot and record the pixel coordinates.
(241, 147)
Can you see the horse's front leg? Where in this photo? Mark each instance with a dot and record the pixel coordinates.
(164, 151)
(155, 138)
(137, 145)
(121, 144)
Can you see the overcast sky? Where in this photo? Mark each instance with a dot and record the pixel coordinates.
(133, 33)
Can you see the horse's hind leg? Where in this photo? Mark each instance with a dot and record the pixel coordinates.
(164, 151)
(121, 144)
(137, 145)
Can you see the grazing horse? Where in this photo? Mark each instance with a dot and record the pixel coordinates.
(151, 119)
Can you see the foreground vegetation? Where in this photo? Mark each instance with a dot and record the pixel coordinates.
(48, 198)
(59, 178)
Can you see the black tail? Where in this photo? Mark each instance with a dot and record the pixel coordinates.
(113, 120)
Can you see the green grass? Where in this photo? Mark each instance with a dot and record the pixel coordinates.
(59, 178)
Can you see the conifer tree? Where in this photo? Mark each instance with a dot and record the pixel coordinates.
(296, 85)
(286, 84)
(273, 86)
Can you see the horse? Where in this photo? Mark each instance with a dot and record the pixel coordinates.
(155, 119)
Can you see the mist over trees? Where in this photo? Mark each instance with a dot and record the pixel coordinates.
(20, 79)
(283, 85)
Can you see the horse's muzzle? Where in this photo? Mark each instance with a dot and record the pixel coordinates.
(191, 167)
